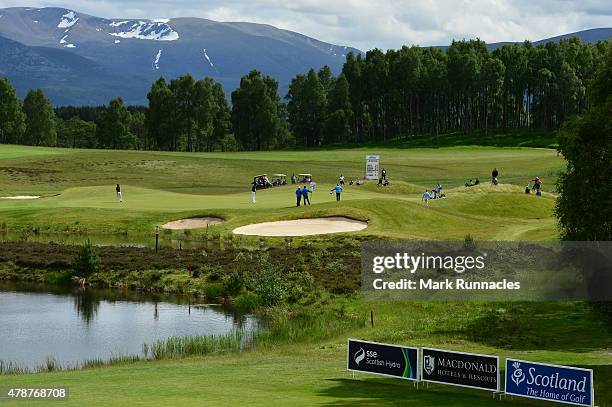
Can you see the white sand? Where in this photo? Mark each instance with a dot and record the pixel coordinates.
(302, 227)
(20, 197)
(192, 223)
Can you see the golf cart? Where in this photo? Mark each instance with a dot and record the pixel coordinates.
(279, 179)
(304, 177)
(261, 181)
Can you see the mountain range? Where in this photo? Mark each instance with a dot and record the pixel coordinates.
(79, 59)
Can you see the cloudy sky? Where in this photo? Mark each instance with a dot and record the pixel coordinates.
(366, 24)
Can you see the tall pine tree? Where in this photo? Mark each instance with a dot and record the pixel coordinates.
(12, 119)
(40, 120)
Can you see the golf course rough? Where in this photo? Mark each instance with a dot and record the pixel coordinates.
(302, 227)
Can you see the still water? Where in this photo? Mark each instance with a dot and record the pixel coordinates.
(74, 325)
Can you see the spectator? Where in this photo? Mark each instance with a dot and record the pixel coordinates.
(119, 194)
(537, 186)
(426, 198)
(305, 195)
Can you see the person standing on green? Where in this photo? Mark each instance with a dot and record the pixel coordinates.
(338, 190)
(119, 193)
(305, 192)
(298, 195)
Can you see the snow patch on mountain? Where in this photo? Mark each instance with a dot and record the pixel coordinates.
(70, 46)
(68, 20)
(63, 40)
(144, 30)
(156, 62)
(118, 23)
(117, 41)
(208, 58)
(160, 20)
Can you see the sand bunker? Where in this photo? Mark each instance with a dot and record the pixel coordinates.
(192, 223)
(302, 227)
(20, 197)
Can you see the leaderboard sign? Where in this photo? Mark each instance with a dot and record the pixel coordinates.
(460, 369)
(383, 359)
(372, 165)
(542, 381)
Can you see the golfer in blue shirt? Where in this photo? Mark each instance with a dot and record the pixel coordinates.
(426, 198)
(298, 195)
(305, 192)
(338, 190)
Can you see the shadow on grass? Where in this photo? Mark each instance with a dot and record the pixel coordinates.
(541, 326)
(377, 391)
(374, 391)
(602, 376)
(497, 138)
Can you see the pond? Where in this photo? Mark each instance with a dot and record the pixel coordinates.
(74, 325)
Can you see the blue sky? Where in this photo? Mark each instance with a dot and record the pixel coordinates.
(366, 24)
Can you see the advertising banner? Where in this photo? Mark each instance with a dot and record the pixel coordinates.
(562, 384)
(460, 369)
(372, 164)
(383, 359)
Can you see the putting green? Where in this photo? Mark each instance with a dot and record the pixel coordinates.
(157, 200)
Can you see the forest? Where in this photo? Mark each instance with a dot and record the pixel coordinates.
(377, 97)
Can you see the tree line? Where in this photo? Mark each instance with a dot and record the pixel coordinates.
(376, 97)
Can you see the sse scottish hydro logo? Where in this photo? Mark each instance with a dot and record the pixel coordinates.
(383, 359)
(359, 356)
(561, 384)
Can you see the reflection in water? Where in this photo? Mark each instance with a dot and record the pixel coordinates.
(74, 325)
(86, 304)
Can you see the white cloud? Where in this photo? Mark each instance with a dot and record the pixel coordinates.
(367, 24)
